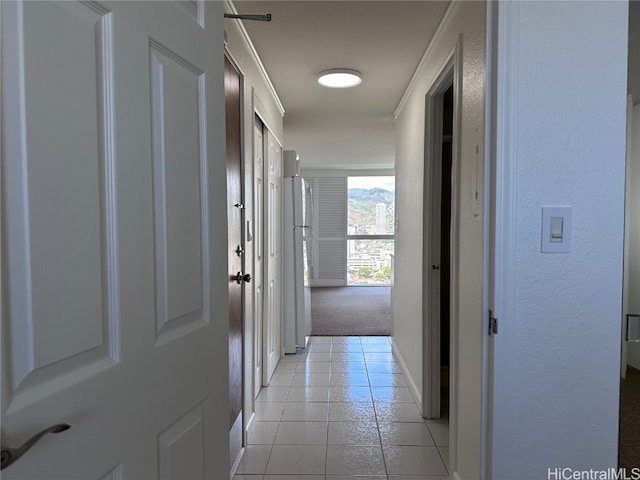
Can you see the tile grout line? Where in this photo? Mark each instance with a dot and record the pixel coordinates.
(326, 449)
(375, 412)
(331, 376)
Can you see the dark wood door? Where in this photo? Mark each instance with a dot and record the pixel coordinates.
(235, 210)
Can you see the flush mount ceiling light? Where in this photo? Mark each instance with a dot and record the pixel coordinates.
(339, 78)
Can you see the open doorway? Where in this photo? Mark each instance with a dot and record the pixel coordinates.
(439, 149)
(445, 247)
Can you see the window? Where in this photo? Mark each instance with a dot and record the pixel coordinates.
(370, 226)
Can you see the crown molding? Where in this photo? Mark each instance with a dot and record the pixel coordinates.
(414, 79)
(231, 8)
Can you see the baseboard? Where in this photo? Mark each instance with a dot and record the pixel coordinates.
(250, 421)
(413, 388)
(234, 467)
(236, 449)
(236, 462)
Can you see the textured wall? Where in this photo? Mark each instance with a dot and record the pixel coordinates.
(466, 19)
(568, 128)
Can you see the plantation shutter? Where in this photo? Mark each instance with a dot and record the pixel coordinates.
(330, 231)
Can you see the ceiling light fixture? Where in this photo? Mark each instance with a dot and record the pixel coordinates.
(339, 78)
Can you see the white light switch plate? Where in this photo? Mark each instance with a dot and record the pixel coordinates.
(559, 216)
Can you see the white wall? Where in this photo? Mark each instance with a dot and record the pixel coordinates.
(468, 19)
(633, 229)
(565, 92)
(259, 97)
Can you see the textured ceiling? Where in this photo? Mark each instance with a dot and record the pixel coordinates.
(384, 40)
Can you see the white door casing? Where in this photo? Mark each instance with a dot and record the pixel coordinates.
(502, 148)
(434, 107)
(114, 318)
(273, 266)
(627, 238)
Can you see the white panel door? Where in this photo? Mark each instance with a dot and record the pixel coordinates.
(258, 254)
(273, 239)
(113, 320)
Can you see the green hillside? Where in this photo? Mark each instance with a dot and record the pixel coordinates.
(362, 208)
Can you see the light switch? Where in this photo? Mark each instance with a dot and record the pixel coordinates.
(556, 230)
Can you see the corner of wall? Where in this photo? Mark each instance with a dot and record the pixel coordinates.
(413, 386)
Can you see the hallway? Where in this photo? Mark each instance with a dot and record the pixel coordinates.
(340, 409)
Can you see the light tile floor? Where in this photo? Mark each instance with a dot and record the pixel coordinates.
(342, 410)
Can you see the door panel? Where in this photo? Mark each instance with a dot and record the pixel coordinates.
(178, 171)
(180, 447)
(235, 210)
(109, 198)
(258, 255)
(57, 202)
(273, 224)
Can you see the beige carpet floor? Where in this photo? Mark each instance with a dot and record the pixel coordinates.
(360, 311)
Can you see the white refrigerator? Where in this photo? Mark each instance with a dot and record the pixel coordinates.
(296, 253)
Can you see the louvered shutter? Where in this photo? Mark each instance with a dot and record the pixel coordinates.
(330, 231)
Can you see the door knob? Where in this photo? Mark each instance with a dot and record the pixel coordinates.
(239, 251)
(11, 455)
(435, 267)
(240, 277)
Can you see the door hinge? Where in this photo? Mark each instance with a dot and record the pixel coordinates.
(493, 324)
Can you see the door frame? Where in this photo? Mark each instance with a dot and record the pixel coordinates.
(448, 75)
(500, 254)
(627, 239)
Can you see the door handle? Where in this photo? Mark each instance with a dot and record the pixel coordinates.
(11, 455)
(240, 277)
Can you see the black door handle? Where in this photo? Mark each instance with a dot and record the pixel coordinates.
(11, 455)
(246, 277)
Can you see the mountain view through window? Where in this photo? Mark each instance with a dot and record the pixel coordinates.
(371, 218)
